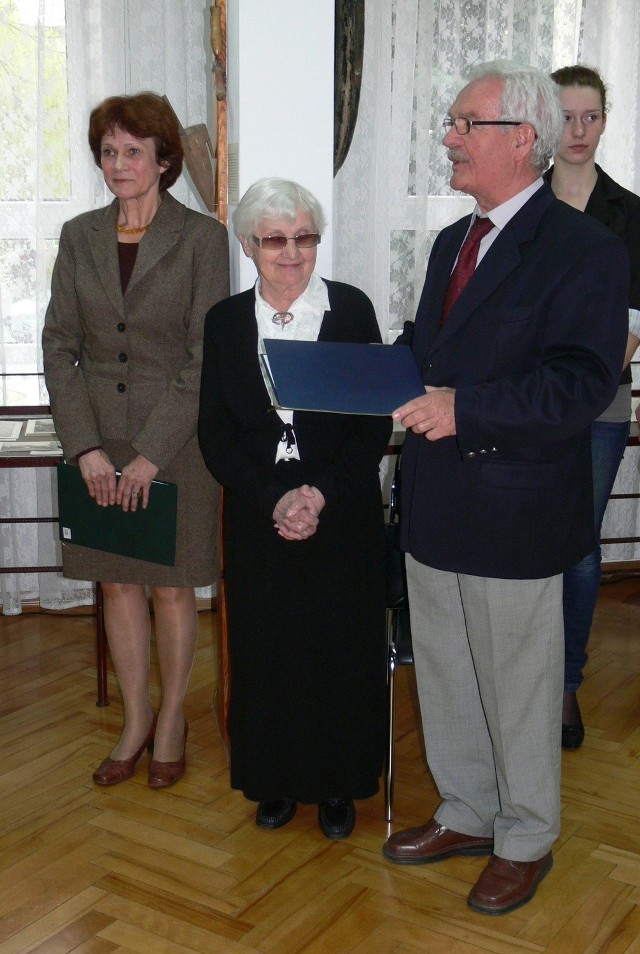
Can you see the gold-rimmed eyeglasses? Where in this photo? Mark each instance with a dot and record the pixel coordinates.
(273, 242)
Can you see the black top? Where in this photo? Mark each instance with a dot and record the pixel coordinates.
(127, 255)
(619, 210)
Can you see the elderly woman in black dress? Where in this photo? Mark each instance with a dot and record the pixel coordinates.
(303, 532)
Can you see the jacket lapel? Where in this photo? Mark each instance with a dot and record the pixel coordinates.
(500, 261)
(441, 262)
(167, 229)
(164, 233)
(104, 250)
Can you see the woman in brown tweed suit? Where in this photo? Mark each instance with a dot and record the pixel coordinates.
(122, 352)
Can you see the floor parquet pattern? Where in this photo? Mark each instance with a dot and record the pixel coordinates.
(128, 869)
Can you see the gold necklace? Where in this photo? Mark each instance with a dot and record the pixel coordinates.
(124, 231)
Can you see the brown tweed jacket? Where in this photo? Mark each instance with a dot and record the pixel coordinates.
(127, 368)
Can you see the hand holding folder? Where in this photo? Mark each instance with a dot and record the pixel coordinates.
(341, 377)
(141, 534)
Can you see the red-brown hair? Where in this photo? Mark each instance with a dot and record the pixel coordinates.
(580, 75)
(145, 116)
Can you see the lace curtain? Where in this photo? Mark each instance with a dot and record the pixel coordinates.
(392, 196)
(611, 41)
(61, 58)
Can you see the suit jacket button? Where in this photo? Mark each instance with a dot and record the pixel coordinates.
(122, 357)
(121, 326)
(121, 388)
(483, 450)
(471, 454)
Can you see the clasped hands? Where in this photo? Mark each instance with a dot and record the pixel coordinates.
(296, 514)
(431, 414)
(131, 489)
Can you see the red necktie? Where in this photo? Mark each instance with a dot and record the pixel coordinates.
(466, 264)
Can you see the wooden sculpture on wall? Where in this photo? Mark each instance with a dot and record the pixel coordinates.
(208, 166)
(199, 159)
(219, 70)
(201, 162)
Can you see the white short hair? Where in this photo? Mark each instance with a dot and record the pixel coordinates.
(529, 96)
(274, 198)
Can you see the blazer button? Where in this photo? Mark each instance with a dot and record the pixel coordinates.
(471, 454)
(483, 450)
(122, 357)
(121, 388)
(121, 326)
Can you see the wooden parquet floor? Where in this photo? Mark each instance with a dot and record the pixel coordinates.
(128, 869)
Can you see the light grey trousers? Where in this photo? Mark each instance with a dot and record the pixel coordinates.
(489, 657)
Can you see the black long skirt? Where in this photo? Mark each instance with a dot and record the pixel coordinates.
(307, 654)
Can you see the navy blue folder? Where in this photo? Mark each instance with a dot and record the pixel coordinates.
(144, 534)
(341, 377)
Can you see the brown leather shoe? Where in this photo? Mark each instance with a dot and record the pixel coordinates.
(164, 774)
(506, 885)
(432, 842)
(112, 771)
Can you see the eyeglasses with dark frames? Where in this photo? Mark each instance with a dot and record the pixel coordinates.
(462, 125)
(278, 242)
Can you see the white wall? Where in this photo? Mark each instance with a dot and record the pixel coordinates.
(280, 105)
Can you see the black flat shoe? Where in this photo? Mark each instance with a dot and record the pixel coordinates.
(572, 736)
(336, 817)
(572, 728)
(276, 814)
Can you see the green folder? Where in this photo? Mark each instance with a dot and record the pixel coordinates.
(143, 535)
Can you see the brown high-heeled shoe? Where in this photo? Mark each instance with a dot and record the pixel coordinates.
(114, 771)
(164, 774)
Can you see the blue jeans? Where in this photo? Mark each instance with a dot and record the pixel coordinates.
(581, 582)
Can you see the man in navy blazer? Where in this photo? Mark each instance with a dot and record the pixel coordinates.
(496, 481)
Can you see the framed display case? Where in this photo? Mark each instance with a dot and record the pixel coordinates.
(27, 435)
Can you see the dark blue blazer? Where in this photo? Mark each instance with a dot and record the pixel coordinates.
(533, 348)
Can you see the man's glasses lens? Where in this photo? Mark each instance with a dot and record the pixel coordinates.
(462, 126)
(273, 242)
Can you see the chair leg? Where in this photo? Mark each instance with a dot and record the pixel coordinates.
(391, 689)
(101, 650)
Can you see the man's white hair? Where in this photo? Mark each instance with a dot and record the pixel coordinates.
(528, 96)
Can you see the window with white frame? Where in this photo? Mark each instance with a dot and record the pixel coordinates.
(35, 175)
